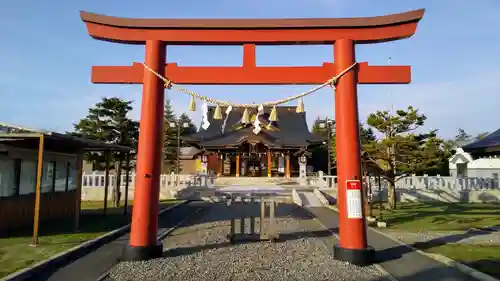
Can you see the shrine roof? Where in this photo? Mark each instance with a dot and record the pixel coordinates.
(357, 22)
(290, 131)
(488, 144)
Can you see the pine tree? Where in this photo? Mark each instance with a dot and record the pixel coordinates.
(401, 152)
(190, 129)
(169, 139)
(107, 121)
(462, 136)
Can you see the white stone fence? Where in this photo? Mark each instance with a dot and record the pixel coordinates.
(427, 188)
(93, 185)
(420, 182)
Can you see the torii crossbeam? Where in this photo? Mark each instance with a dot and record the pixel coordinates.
(342, 33)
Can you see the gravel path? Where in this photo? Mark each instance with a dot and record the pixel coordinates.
(200, 252)
(473, 237)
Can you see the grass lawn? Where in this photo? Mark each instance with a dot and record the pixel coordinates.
(440, 216)
(413, 217)
(16, 252)
(485, 258)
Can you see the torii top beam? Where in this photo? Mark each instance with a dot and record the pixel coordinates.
(305, 31)
(251, 32)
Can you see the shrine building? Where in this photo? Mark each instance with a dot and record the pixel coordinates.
(245, 143)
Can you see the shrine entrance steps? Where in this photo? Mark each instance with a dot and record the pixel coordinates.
(261, 181)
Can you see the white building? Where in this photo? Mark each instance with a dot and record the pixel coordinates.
(479, 158)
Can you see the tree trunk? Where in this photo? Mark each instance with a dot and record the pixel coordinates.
(116, 187)
(366, 202)
(391, 194)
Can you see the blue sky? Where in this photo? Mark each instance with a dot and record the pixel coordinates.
(46, 58)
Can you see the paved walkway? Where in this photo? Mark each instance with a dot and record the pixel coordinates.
(200, 251)
(309, 199)
(400, 261)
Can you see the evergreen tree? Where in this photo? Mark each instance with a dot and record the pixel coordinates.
(107, 121)
(462, 135)
(401, 152)
(169, 139)
(190, 129)
(365, 136)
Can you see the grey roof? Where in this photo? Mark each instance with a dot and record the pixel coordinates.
(13, 133)
(292, 130)
(490, 141)
(189, 152)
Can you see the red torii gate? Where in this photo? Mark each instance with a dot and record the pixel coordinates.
(342, 33)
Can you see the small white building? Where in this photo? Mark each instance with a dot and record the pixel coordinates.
(479, 158)
(463, 164)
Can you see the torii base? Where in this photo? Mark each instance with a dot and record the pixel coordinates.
(131, 253)
(359, 257)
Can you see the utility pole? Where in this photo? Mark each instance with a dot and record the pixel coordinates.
(329, 132)
(177, 124)
(177, 168)
(327, 124)
(392, 156)
(393, 152)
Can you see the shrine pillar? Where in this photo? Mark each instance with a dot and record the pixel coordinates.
(287, 165)
(237, 165)
(269, 163)
(353, 247)
(144, 225)
(221, 164)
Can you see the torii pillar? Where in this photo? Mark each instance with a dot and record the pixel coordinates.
(343, 34)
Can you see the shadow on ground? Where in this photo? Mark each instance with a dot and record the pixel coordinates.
(245, 210)
(397, 252)
(283, 237)
(442, 213)
(238, 210)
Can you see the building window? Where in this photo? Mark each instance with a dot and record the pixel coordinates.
(68, 167)
(72, 177)
(27, 181)
(48, 173)
(17, 174)
(60, 178)
(8, 186)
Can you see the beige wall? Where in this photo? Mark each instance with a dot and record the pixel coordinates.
(188, 166)
(87, 167)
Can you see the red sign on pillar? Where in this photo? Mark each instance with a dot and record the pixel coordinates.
(354, 201)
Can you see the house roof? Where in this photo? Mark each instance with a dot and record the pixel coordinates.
(290, 131)
(490, 143)
(12, 134)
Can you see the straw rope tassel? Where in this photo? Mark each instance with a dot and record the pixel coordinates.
(218, 113)
(192, 104)
(273, 117)
(170, 84)
(246, 117)
(300, 106)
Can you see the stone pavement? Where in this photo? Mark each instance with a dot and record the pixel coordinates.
(200, 251)
(400, 261)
